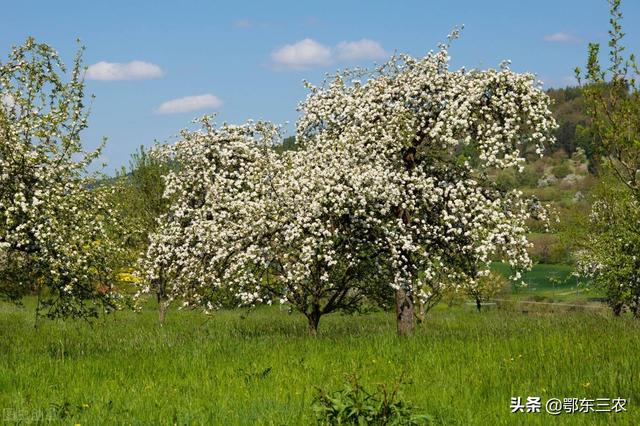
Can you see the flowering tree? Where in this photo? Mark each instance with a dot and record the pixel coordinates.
(609, 252)
(55, 226)
(212, 237)
(261, 226)
(414, 117)
(326, 251)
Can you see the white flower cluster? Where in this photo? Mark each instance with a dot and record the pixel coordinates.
(414, 118)
(377, 195)
(53, 218)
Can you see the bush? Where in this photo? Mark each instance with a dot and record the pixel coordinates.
(506, 180)
(528, 177)
(354, 405)
(548, 248)
(560, 171)
(559, 156)
(549, 194)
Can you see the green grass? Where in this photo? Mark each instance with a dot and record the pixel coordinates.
(261, 367)
(551, 281)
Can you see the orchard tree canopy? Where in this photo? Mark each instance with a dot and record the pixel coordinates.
(415, 117)
(219, 204)
(55, 234)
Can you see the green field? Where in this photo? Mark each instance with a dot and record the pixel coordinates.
(260, 367)
(554, 282)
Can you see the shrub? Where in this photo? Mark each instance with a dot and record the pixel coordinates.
(487, 287)
(550, 193)
(506, 180)
(528, 177)
(560, 171)
(548, 248)
(354, 405)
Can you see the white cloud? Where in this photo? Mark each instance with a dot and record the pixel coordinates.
(134, 70)
(189, 103)
(243, 23)
(304, 54)
(561, 38)
(308, 53)
(361, 49)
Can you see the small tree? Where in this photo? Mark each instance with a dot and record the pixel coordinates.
(486, 287)
(326, 250)
(612, 97)
(139, 196)
(138, 202)
(216, 239)
(56, 233)
(263, 227)
(610, 250)
(612, 101)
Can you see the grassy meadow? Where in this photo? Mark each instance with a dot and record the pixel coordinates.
(550, 283)
(260, 367)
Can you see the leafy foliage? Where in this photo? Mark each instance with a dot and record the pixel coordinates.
(355, 405)
(612, 98)
(611, 251)
(139, 195)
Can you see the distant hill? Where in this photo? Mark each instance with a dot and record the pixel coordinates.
(568, 109)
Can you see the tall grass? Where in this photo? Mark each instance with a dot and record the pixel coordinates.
(260, 367)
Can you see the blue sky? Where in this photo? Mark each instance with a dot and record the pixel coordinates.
(247, 59)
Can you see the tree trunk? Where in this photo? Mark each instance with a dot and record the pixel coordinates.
(635, 305)
(162, 311)
(617, 308)
(163, 302)
(163, 305)
(635, 308)
(404, 312)
(422, 312)
(478, 304)
(404, 304)
(36, 322)
(314, 320)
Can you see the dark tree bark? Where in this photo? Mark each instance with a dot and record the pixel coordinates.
(314, 319)
(617, 308)
(36, 322)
